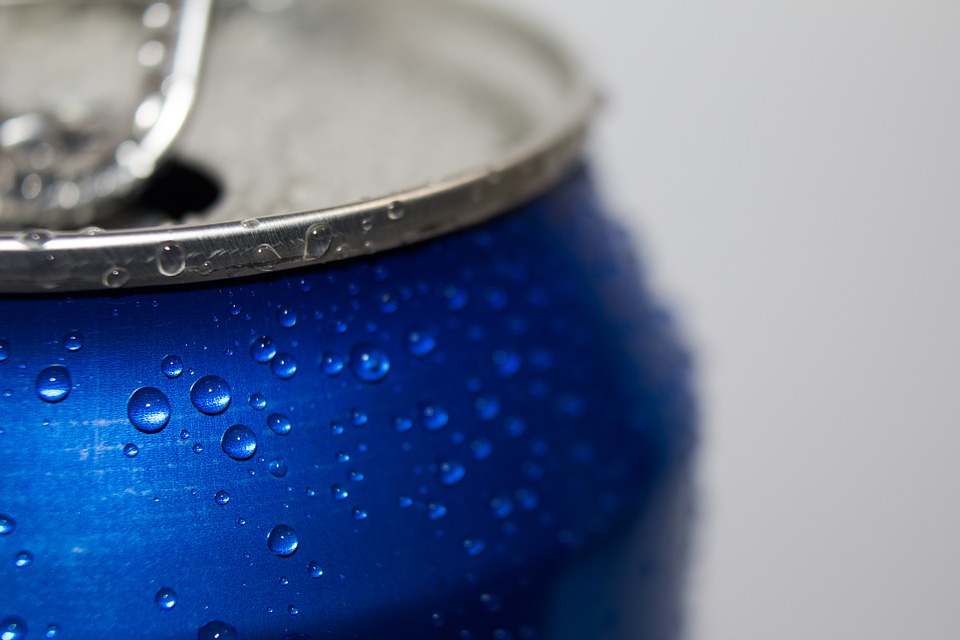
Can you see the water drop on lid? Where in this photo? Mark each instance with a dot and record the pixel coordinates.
(283, 366)
(420, 343)
(171, 366)
(317, 241)
(221, 497)
(53, 383)
(166, 598)
(131, 450)
(279, 424)
(278, 468)
(331, 363)
(263, 350)
(434, 416)
(23, 559)
(238, 442)
(73, 341)
(314, 570)
(12, 628)
(450, 472)
(115, 277)
(170, 259)
(34, 238)
(395, 210)
(250, 223)
(217, 630)
(4, 350)
(258, 402)
(282, 540)
(210, 395)
(473, 546)
(265, 258)
(148, 409)
(7, 524)
(286, 317)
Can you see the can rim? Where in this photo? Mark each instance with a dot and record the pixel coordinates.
(40, 260)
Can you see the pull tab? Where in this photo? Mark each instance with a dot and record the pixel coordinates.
(65, 176)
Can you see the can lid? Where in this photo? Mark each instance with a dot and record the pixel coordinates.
(331, 128)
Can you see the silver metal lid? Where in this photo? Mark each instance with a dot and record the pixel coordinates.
(334, 128)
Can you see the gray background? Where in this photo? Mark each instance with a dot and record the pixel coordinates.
(792, 171)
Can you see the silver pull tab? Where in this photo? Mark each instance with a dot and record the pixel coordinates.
(65, 176)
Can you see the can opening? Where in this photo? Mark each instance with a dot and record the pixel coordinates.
(179, 187)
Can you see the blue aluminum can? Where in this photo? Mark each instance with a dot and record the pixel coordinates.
(481, 427)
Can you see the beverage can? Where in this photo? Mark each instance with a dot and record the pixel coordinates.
(313, 326)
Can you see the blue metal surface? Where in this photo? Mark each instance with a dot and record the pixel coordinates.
(460, 439)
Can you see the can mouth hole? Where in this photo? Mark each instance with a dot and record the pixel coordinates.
(178, 188)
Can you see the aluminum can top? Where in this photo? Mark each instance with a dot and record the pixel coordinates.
(329, 129)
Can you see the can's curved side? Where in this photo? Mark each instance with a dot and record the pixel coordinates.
(481, 436)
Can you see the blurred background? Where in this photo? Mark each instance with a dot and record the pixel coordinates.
(791, 171)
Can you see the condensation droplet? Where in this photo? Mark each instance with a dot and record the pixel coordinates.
(131, 450)
(338, 492)
(279, 424)
(217, 630)
(473, 546)
(221, 497)
(263, 350)
(420, 343)
(166, 598)
(148, 409)
(238, 442)
(7, 524)
(434, 416)
(171, 366)
(450, 472)
(210, 395)
(115, 277)
(317, 241)
(170, 259)
(331, 363)
(12, 628)
(23, 559)
(286, 317)
(395, 210)
(5, 349)
(258, 402)
(73, 341)
(34, 238)
(314, 570)
(265, 258)
(282, 540)
(53, 383)
(283, 366)
(278, 468)
(436, 510)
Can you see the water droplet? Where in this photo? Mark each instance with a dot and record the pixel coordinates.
(12, 628)
(170, 259)
(434, 416)
(368, 363)
(7, 524)
(4, 350)
(436, 510)
(292, 610)
(359, 514)
(283, 581)
(473, 546)
(34, 238)
(238, 442)
(235, 308)
(450, 472)
(456, 297)
(23, 559)
(221, 497)
(402, 423)
(250, 223)
(210, 395)
(166, 598)
(420, 343)
(343, 457)
(506, 362)
(282, 540)
(314, 570)
(404, 502)
(258, 402)
(488, 407)
(171, 366)
(148, 409)
(502, 506)
(279, 424)
(217, 630)
(336, 429)
(73, 341)
(278, 468)
(283, 366)
(51, 631)
(131, 450)
(265, 258)
(318, 239)
(395, 210)
(53, 383)
(338, 492)
(491, 602)
(354, 476)
(197, 448)
(263, 350)
(331, 363)
(115, 277)
(287, 317)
